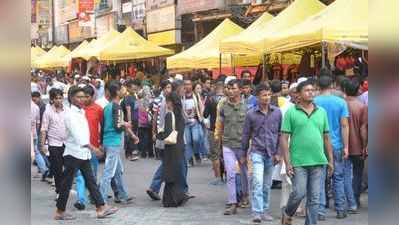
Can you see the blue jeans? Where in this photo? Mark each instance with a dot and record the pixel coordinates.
(342, 181)
(306, 182)
(184, 170)
(80, 182)
(262, 171)
(113, 168)
(323, 197)
(192, 137)
(204, 149)
(41, 163)
(157, 179)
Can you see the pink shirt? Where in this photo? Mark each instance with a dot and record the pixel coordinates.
(53, 123)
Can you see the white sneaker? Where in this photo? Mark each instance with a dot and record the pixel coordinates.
(266, 217)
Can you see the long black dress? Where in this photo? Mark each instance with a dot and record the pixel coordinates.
(173, 195)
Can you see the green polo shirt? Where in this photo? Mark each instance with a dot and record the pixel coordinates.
(306, 135)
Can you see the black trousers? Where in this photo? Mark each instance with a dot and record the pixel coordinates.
(56, 165)
(145, 145)
(72, 165)
(358, 167)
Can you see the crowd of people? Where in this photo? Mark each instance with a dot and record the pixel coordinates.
(310, 135)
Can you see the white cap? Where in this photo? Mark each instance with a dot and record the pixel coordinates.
(179, 77)
(302, 79)
(293, 85)
(228, 79)
(76, 76)
(86, 78)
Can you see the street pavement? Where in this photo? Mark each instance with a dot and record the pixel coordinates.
(205, 209)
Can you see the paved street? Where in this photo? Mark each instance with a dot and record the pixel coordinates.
(206, 209)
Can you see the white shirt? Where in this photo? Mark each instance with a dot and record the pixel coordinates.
(102, 102)
(78, 134)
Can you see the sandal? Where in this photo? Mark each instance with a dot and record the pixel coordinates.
(65, 216)
(285, 219)
(107, 212)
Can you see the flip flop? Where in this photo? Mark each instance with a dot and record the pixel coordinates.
(109, 211)
(65, 216)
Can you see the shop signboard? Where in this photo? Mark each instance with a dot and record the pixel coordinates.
(161, 19)
(190, 6)
(104, 24)
(156, 4)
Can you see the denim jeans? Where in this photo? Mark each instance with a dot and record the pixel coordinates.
(80, 182)
(262, 171)
(113, 168)
(157, 179)
(184, 171)
(204, 149)
(41, 163)
(192, 137)
(342, 181)
(306, 182)
(231, 157)
(323, 197)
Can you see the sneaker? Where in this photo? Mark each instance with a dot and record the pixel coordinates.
(127, 201)
(341, 215)
(321, 218)
(153, 195)
(257, 219)
(244, 203)
(216, 182)
(44, 176)
(79, 206)
(353, 211)
(266, 217)
(134, 158)
(231, 210)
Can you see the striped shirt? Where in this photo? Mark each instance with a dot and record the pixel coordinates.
(54, 125)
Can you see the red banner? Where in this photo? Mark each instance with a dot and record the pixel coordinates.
(86, 6)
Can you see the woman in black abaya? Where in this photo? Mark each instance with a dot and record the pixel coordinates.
(173, 195)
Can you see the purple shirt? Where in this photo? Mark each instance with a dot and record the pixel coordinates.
(264, 131)
(364, 98)
(53, 124)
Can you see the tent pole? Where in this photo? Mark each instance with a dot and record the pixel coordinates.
(323, 54)
(264, 67)
(220, 63)
(232, 64)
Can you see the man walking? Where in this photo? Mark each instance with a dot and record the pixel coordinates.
(262, 127)
(337, 113)
(306, 126)
(77, 157)
(229, 124)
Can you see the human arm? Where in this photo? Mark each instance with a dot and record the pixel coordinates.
(286, 154)
(219, 127)
(364, 132)
(345, 129)
(329, 153)
(167, 128)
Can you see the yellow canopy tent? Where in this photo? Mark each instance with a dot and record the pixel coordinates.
(206, 54)
(54, 59)
(35, 53)
(344, 21)
(42, 59)
(237, 43)
(130, 45)
(77, 50)
(93, 49)
(294, 14)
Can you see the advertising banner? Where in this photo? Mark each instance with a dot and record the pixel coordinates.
(161, 19)
(189, 6)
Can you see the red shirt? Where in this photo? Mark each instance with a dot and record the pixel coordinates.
(94, 115)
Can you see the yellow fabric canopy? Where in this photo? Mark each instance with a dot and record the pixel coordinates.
(206, 54)
(294, 14)
(93, 49)
(344, 21)
(238, 43)
(35, 53)
(53, 59)
(130, 45)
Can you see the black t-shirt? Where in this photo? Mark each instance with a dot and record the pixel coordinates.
(129, 101)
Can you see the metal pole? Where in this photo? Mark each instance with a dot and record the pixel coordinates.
(232, 64)
(220, 63)
(323, 54)
(52, 23)
(264, 77)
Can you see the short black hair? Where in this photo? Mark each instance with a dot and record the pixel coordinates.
(113, 88)
(325, 82)
(136, 82)
(351, 87)
(325, 72)
(246, 82)
(73, 90)
(176, 84)
(54, 92)
(222, 77)
(261, 87)
(89, 90)
(275, 86)
(35, 94)
(235, 81)
(245, 71)
(341, 81)
(303, 84)
(164, 83)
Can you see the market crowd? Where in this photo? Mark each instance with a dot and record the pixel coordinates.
(309, 135)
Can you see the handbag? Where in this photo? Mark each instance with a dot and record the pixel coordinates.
(172, 138)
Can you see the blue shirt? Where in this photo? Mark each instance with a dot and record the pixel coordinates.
(111, 136)
(337, 109)
(263, 129)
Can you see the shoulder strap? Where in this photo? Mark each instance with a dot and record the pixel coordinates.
(173, 121)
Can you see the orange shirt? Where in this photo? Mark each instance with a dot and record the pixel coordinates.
(94, 115)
